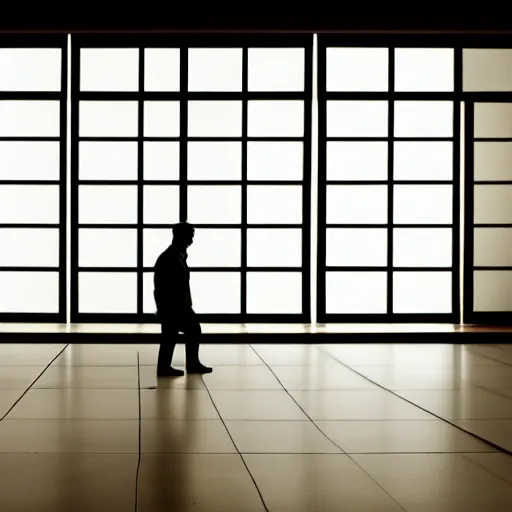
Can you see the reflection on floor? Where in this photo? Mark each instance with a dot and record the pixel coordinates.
(275, 427)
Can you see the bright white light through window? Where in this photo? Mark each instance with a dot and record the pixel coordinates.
(110, 204)
(275, 118)
(161, 69)
(108, 119)
(221, 204)
(274, 292)
(29, 204)
(214, 118)
(107, 160)
(161, 204)
(357, 118)
(161, 160)
(215, 69)
(29, 118)
(214, 160)
(275, 160)
(348, 160)
(215, 292)
(107, 247)
(356, 247)
(29, 160)
(274, 247)
(161, 118)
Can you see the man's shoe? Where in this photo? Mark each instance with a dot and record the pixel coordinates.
(169, 372)
(198, 368)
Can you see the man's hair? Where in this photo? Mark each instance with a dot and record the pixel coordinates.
(182, 228)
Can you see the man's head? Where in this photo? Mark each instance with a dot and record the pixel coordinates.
(183, 235)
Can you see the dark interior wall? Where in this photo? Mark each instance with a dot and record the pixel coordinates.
(170, 16)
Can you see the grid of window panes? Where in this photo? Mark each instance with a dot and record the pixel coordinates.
(210, 130)
(32, 177)
(487, 86)
(388, 241)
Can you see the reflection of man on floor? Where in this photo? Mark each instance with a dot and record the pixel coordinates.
(174, 304)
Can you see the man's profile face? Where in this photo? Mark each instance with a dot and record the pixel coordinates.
(188, 238)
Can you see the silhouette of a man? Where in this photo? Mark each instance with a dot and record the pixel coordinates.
(174, 304)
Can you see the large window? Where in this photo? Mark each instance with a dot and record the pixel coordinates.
(487, 85)
(211, 130)
(32, 178)
(388, 180)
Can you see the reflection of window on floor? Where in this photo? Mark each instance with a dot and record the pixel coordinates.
(388, 159)
(31, 99)
(220, 143)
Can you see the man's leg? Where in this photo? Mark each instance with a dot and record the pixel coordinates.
(193, 332)
(169, 335)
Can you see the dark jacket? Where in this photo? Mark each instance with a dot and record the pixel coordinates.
(172, 284)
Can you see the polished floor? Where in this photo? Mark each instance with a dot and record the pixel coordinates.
(374, 427)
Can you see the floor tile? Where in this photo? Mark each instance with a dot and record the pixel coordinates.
(118, 404)
(279, 437)
(496, 431)
(492, 377)
(98, 355)
(185, 436)
(312, 482)
(28, 354)
(471, 403)
(256, 405)
(312, 377)
(196, 482)
(499, 464)
(149, 379)
(357, 405)
(177, 404)
(211, 354)
(280, 354)
(8, 397)
(440, 482)
(19, 377)
(55, 482)
(69, 436)
(241, 377)
(89, 377)
(400, 437)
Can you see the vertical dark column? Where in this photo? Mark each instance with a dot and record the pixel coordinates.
(140, 188)
(391, 136)
(322, 182)
(243, 232)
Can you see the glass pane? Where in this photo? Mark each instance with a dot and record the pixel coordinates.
(357, 69)
(215, 248)
(357, 204)
(161, 204)
(161, 160)
(357, 160)
(492, 247)
(107, 160)
(215, 69)
(161, 119)
(280, 204)
(214, 160)
(29, 160)
(109, 69)
(216, 204)
(492, 161)
(275, 118)
(108, 119)
(274, 292)
(421, 160)
(29, 292)
(107, 247)
(276, 69)
(275, 160)
(214, 118)
(357, 247)
(155, 241)
(356, 292)
(413, 204)
(103, 292)
(487, 69)
(29, 247)
(110, 204)
(423, 119)
(492, 290)
(424, 69)
(215, 292)
(162, 69)
(274, 247)
(422, 292)
(492, 204)
(357, 118)
(422, 247)
(148, 298)
(493, 120)
(30, 69)
(29, 204)
(29, 118)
